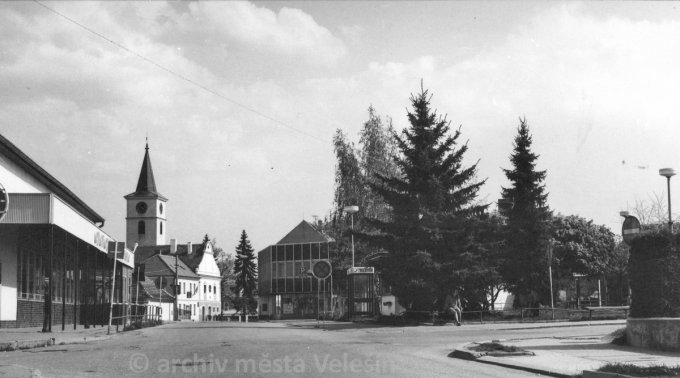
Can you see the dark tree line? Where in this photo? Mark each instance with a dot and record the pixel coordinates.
(423, 227)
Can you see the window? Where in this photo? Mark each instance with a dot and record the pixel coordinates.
(31, 274)
(264, 307)
(184, 287)
(161, 228)
(141, 228)
(204, 288)
(210, 289)
(215, 289)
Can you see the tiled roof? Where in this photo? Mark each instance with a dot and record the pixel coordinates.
(148, 290)
(305, 233)
(164, 265)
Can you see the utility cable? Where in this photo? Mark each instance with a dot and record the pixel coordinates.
(180, 76)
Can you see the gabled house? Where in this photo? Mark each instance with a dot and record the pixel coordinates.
(198, 276)
(162, 270)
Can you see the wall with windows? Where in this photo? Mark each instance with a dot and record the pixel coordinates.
(289, 265)
(285, 287)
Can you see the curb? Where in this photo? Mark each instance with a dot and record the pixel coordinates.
(463, 352)
(32, 344)
(25, 344)
(602, 374)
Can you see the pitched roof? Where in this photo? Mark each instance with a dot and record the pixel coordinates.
(144, 252)
(148, 290)
(164, 265)
(146, 184)
(305, 233)
(14, 154)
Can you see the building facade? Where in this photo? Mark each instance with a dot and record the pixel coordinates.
(198, 280)
(285, 287)
(54, 266)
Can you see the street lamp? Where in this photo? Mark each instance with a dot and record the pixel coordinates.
(668, 173)
(351, 210)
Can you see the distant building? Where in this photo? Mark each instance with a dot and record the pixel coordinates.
(285, 288)
(198, 277)
(54, 267)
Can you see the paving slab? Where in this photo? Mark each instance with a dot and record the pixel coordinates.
(568, 356)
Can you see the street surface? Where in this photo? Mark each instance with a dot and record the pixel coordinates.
(294, 348)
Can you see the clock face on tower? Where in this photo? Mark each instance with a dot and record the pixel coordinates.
(141, 207)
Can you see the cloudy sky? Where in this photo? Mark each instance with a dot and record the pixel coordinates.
(240, 100)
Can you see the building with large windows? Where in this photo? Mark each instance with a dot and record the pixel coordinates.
(54, 267)
(285, 287)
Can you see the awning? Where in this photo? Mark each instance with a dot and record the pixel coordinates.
(47, 208)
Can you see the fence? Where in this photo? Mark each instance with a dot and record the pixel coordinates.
(135, 316)
(520, 315)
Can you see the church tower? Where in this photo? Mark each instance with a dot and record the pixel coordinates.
(146, 210)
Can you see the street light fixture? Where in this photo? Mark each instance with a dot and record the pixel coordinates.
(668, 173)
(351, 210)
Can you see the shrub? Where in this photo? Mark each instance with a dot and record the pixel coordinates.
(654, 267)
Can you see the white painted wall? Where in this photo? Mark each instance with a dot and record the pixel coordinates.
(8, 286)
(16, 180)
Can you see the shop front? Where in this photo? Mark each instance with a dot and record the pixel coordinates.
(54, 268)
(45, 247)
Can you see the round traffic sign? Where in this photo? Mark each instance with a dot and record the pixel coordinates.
(4, 202)
(321, 269)
(630, 229)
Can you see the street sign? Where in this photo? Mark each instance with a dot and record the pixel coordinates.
(116, 248)
(360, 270)
(321, 269)
(630, 229)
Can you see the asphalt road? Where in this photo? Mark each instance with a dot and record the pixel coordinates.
(279, 349)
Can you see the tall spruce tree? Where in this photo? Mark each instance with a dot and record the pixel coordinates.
(432, 192)
(527, 226)
(245, 270)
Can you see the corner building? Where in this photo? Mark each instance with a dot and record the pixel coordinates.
(286, 290)
(54, 267)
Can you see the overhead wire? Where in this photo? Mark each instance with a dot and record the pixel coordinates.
(178, 75)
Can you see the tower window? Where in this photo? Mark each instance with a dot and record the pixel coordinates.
(161, 228)
(141, 228)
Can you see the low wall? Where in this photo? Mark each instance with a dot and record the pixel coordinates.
(654, 333)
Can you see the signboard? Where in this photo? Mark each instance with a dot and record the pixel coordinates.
(360, 270)
(117, 248)
(630, 229)
(4, 202)
(321, 269)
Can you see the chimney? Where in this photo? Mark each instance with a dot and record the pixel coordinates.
(189, 248)
(173, 245)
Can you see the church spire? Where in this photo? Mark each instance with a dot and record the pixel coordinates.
(146, 184)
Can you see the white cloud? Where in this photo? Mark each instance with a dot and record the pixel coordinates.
(289, 32)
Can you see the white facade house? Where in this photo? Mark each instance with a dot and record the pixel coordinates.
(192, 265)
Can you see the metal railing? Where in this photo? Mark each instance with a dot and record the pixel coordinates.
(130, 315)
(525, 314)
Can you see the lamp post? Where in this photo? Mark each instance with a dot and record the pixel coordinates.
(668, 173)
(351, 210)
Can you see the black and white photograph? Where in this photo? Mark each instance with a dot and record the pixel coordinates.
(339, 188)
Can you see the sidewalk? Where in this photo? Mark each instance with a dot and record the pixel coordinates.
(568, 356)
(33, 337)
